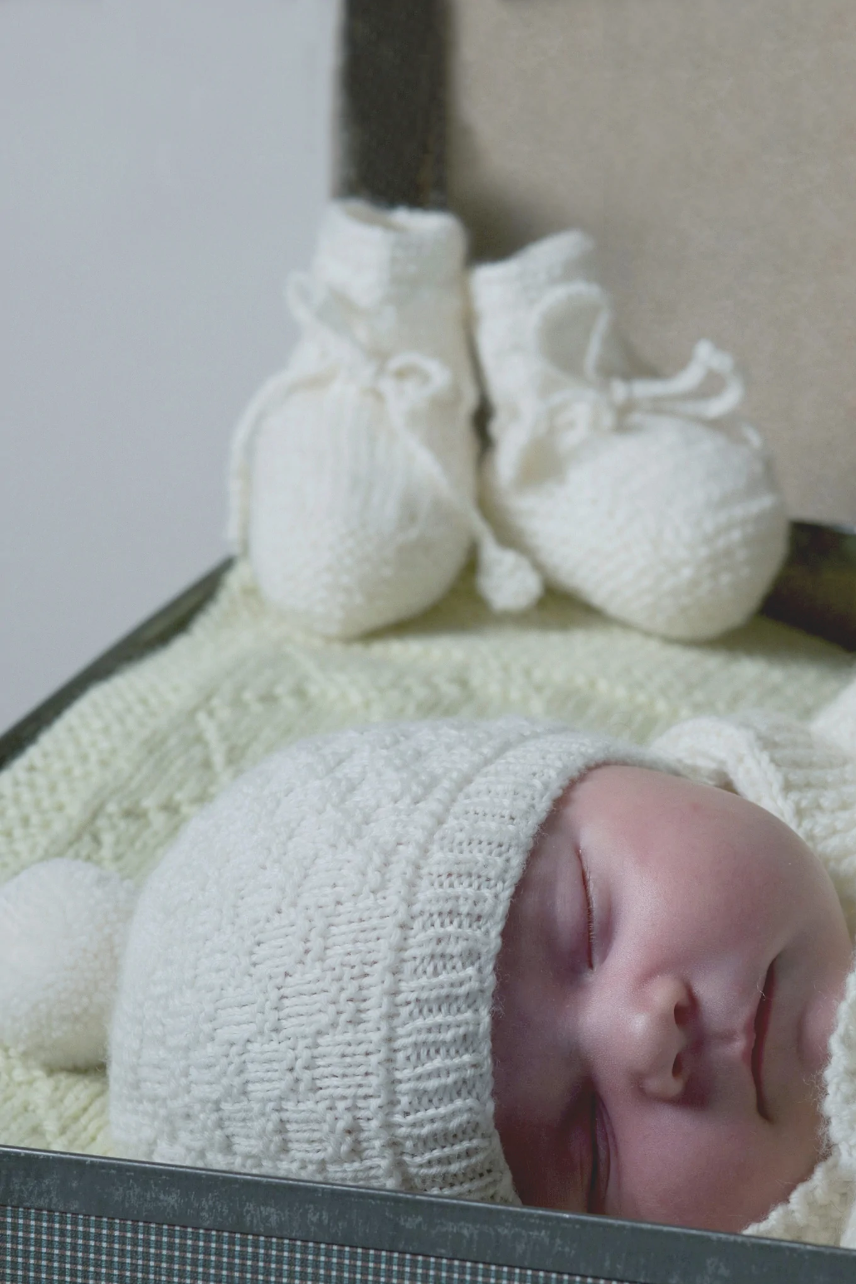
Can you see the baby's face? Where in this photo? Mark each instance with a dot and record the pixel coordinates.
(666, 988)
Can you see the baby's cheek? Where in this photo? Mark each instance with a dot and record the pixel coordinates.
(685, 1167)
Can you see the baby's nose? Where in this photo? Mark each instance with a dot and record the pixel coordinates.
(656, 1037)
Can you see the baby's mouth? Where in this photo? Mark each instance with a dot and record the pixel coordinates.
(762, 1023)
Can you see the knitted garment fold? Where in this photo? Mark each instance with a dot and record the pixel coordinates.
(116, 778)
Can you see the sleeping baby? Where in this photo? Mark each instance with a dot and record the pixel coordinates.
(501, 960)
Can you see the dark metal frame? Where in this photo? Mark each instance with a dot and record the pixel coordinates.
(391, 149)
(816, 589)
(599, 1247)
(392, 102)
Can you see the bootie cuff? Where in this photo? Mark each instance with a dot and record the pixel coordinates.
(524, 278)
(375, 256)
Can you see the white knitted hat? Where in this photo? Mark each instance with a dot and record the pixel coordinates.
(307, 983)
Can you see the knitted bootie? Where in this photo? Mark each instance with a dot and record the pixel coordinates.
(639, 495)
(354, 470)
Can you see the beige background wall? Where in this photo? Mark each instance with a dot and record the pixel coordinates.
(711, 147)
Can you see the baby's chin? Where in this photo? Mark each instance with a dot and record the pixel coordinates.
(755, 1216)
(721, 1211)
(722, 1176)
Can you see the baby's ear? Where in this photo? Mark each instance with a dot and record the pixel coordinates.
(63, 925)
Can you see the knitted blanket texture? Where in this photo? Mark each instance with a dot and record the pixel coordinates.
(117, 776)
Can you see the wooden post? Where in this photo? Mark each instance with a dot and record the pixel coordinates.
(391, 143)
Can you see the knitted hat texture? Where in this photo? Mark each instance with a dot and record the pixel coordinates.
(309, 975)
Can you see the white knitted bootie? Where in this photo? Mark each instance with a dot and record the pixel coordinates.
(639, 495)
(354, 470)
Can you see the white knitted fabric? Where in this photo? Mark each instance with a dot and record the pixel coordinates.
(308, 981)
(810, 784)
(642, 496)
(354, 470)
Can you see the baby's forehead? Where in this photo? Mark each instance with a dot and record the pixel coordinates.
(648, 818)
(618, 785)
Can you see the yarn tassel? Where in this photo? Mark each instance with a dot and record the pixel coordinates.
(506, 578)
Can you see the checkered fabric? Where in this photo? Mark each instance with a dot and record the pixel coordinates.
(38, 1247)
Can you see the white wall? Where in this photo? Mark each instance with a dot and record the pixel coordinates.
(162, 166)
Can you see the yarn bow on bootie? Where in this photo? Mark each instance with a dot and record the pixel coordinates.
(589, 402)
(410, 383)
(644, 496)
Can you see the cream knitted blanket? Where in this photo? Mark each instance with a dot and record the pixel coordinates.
(122, 770)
